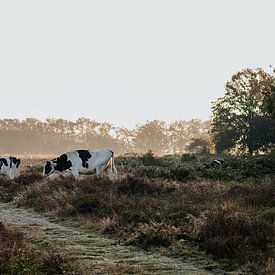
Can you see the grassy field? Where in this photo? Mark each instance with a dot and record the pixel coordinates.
(180, 206)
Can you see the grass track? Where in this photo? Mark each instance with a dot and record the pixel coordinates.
(95, 253)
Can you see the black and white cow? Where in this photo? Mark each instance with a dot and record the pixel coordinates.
(218, 162)
(9, 166)
(83, 162)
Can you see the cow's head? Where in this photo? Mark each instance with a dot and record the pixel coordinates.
(49, 168)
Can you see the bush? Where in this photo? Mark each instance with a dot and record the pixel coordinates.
(138, 186)
(154, 234)
(10, 188)
(216, 173)
(46, 196)
(228, 234)
(188, 157)
(179, 172)
(29, 178)
(149, 159)
(190, 166)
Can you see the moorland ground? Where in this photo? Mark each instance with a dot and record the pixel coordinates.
(180, 206)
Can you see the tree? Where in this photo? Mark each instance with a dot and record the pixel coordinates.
(200, 145)
(181, 132)
(151, 136)
(240, 117)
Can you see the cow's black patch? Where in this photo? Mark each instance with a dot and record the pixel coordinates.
(62, 163)
(48, 168)
(16, 161)
(3, 161)
(85, 155)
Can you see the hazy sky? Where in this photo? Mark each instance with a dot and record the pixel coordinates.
(126, 62)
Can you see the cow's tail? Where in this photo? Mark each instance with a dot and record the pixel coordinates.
(113, 164)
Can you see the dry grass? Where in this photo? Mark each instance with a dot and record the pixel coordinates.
(225, 220)
(17, 257)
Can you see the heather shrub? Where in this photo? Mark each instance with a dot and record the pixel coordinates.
(29, 178)
(188, 157)
(225, 233)
(46, 196)
(153, 234)
(138, 186)
(262, 195)
(10, 188)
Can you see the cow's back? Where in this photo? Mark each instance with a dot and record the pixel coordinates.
(86, 161)
(100, 157)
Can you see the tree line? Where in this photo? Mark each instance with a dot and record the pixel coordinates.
(32, 136)
(243, 121)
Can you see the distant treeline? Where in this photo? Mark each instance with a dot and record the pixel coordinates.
(35, 137)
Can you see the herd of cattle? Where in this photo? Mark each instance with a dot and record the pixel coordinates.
(74, 163)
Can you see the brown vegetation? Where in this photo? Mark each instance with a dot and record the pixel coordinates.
(17, 257)
(229, 219)
(151, 213)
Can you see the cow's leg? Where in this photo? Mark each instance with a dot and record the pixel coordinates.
(75, 173)
(99, 172)
(15, 172)
(12, 175)
(72, 172)
(111, 174)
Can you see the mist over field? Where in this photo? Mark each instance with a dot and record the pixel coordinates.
(137, 137)
(32, 137)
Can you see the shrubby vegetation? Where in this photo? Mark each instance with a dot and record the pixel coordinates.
(225, 211)
(195, 166)
(17, 257)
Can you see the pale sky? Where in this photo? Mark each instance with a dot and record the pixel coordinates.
(126, 62)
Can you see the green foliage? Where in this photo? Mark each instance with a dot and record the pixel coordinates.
(240, 118)
(181, 132)
(191, 166)
(188, 157)
(200, 145)
(151, 136)
(149, 159)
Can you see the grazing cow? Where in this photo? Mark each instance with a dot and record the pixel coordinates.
(218, 162)
(83, 162)
(9, 166)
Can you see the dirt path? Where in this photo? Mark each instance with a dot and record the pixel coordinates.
(98, 254)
